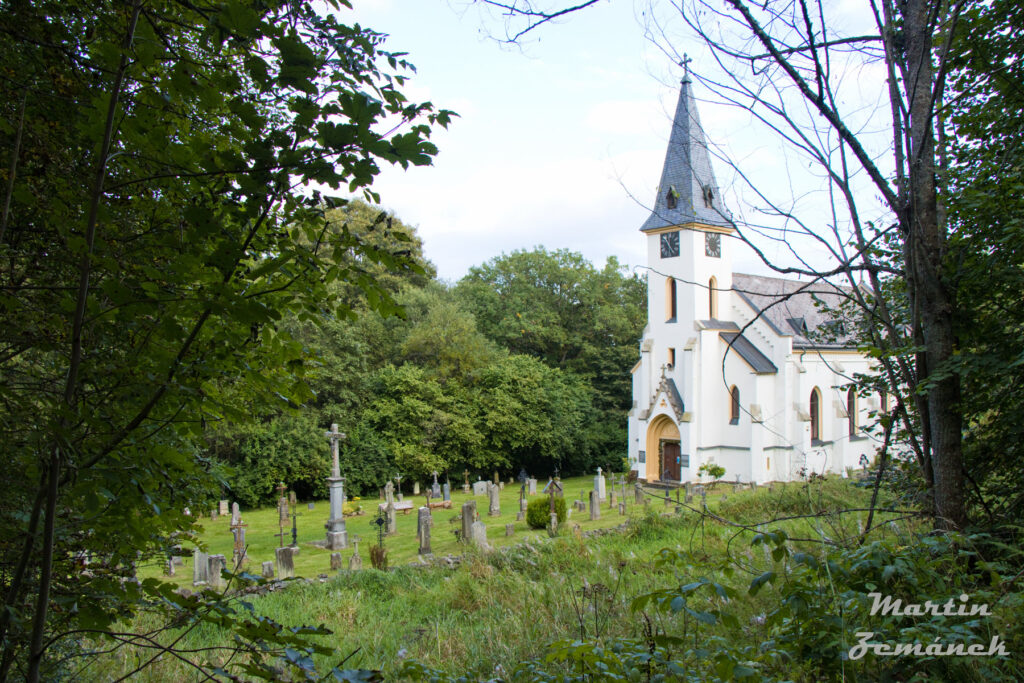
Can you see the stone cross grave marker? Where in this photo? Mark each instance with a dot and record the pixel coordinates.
(337, 533)
(398, 480)
(465, 487)
(389, 492)
(356, 561)
(600, 486)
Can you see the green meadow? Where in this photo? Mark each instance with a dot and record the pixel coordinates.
(501, 608)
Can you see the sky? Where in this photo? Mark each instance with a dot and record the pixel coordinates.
(559, 140)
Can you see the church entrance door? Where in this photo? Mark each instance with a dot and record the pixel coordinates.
(670, 453)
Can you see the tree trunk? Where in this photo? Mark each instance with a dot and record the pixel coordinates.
(932, 300)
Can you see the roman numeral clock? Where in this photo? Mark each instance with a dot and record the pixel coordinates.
(669, 244)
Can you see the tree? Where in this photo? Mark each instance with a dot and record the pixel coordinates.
(155, 227)
(786, 63)
(556, 306)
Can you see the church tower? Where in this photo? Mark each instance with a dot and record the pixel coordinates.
(689, 256)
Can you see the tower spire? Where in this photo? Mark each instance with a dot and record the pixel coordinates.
(688, 192)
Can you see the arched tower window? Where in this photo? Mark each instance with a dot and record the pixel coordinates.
(851, 411)
(670, 299)
(734, 405)
(671, 198)
(713, 298)
(815, 411)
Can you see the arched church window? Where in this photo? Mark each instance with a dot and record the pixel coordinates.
(851, 411)
(734, 405)
(815, 411)
(670, 299)
(713, 298)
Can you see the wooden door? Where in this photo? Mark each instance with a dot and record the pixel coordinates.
(670, 467)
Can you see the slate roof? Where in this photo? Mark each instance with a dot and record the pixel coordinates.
(688, 170)
(750, 353)
(789, 307)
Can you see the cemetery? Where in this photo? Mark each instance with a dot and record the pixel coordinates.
(265, 532)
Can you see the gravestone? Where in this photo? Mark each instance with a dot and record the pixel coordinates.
(337, 533)
(522, 504)
(689, 498)
(638, 494)
(521, 515)
(496, 480)
(335, 561)
(282, 505)
(480, 488)
(267, 570)
(531, 487)
(416, 488)
(468, 517)
(392, 527)
(611, 499)
(200, 568)
(389, 492)
(510, 529)
(236, 513)
(668, 501)
(478, 535)
(215, 565)
(600, 485)
(465, 487)
(595, 506)
(622, 509)
(355, 563)
(553, 522)
(238, 531)
(170, 566)
(424, 522)
(213, 515)
(494, 500)
(285, 562)
(223, 509)
(689, 488)
(446, 492)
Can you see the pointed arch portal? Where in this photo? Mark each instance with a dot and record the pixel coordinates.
(664, 450)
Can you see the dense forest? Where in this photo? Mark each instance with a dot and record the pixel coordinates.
(522, 364)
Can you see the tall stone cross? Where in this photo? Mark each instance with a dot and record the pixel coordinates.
(335, 436)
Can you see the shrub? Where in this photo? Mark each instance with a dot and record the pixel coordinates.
(538, 512)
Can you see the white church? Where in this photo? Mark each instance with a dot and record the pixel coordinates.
(731, 370)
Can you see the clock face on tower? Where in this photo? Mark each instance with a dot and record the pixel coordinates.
(713, 244)
(669, 244)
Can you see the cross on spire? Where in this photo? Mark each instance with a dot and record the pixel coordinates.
(685, 63)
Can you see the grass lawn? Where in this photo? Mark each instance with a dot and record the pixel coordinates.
(501, 608)
(402, 546)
